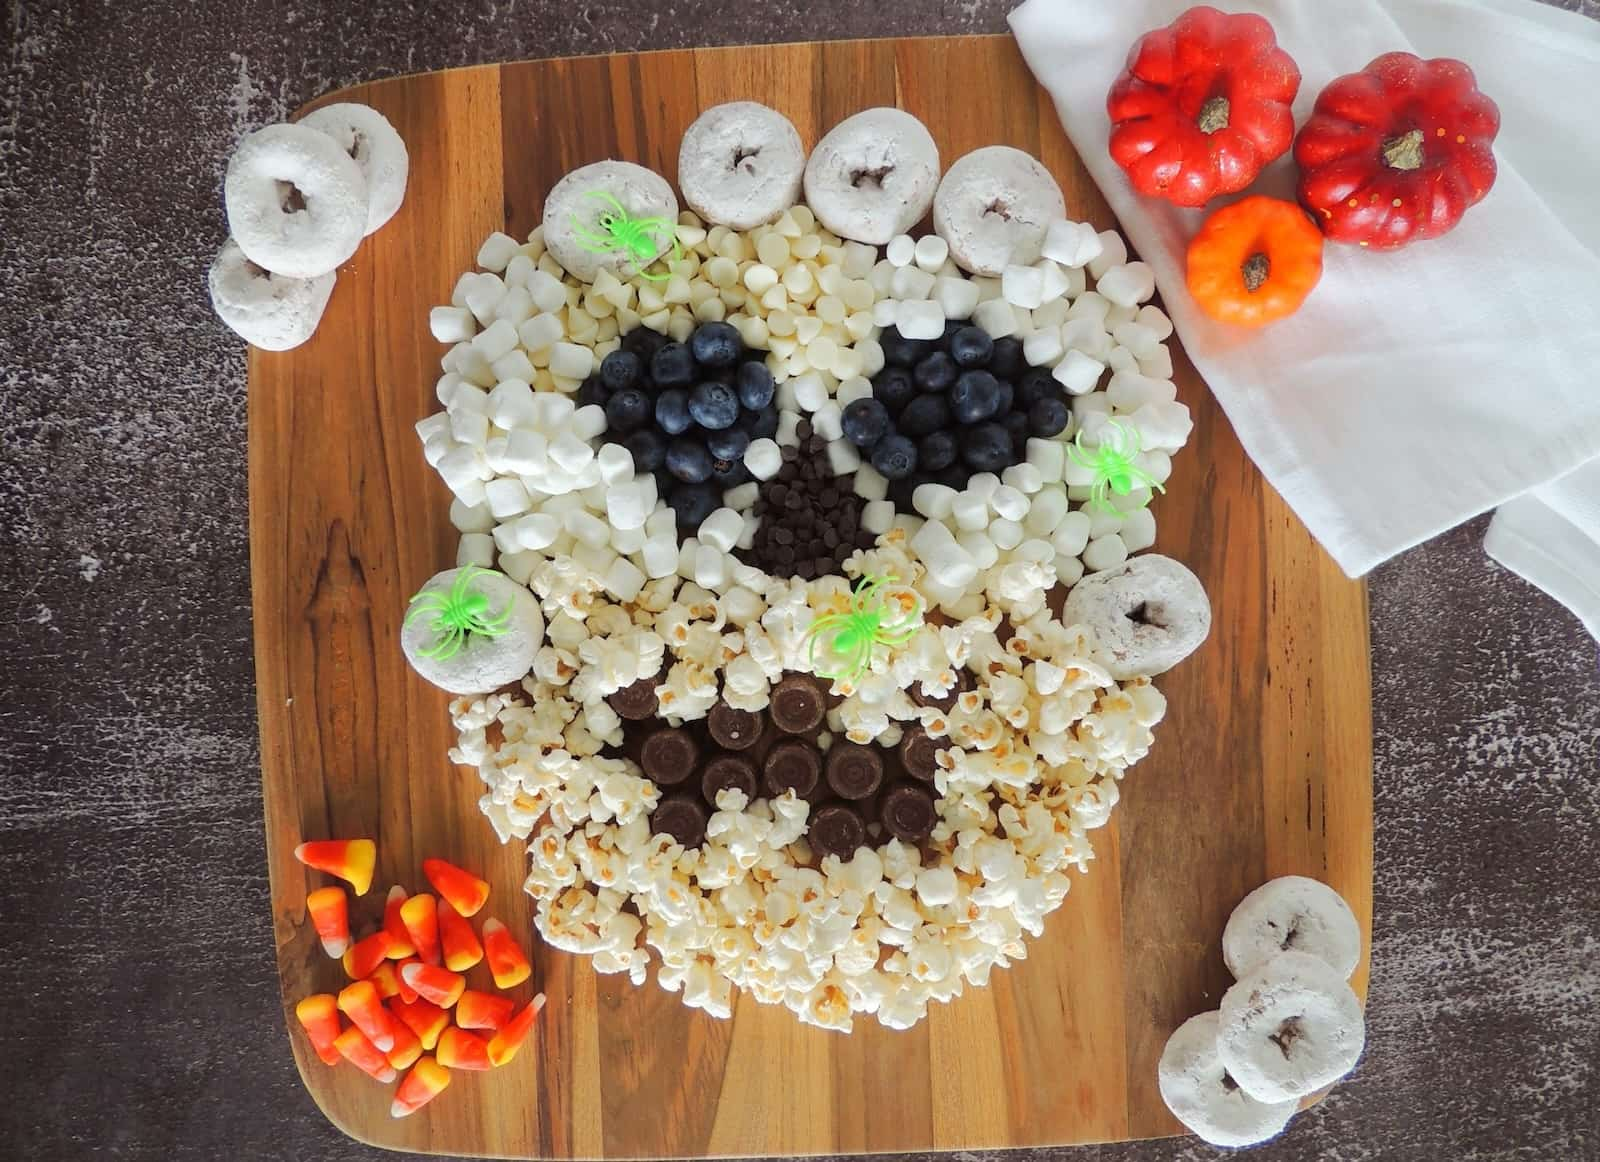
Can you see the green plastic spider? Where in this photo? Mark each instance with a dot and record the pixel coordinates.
(635, 235)
(1114, 463)
(457, 615)
(852, 636)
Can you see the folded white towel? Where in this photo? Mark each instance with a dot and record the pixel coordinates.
(1419, 387)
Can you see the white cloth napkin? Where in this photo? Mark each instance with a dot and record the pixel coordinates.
(1419, 387)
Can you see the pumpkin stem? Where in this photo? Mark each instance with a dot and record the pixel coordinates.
(1213, 115)
(1255, 270)
(1404, 152)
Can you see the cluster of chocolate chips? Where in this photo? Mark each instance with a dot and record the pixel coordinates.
(859, 795)
(810, 516)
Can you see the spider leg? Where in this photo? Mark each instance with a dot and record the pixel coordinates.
(608, 196)
(590, 240)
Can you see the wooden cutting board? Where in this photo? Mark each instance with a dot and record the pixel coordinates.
(1262, 767)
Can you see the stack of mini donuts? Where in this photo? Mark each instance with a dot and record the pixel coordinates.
(300, 198)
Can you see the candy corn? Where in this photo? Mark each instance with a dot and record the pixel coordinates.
(407, 993)
(459, 941)
(439, 985)
(420, 918)
(424, 1018)
(364, 956)
(459, 1049)
(319, 1015)
(400, 945)
(504, 1044)
(386, 979)
(507, 961)
(407, 1046)
(352, 860)
(477, 1010)
(426, 1081)
(465, 891)
(330, 916)
(364, 1055)
(361, 1003)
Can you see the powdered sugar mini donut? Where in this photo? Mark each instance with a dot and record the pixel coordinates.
(1289, 1028)
(472, 630)
(611, 215)
(873, 176)
(266, 310)
(1292, 914)
(1201, 1094)
(740, 164)
(297, 203)
(366, 135)
(1147, 615)
(993, 208)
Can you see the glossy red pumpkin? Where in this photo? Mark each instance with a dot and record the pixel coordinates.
(1397, 152)
(1202, 105)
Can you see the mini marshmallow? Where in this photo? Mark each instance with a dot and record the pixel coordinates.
(537, 530)
(948, 563)
(540, 331)
(931, 252)
(1022, 286)
(1048, 457)
(920, 320)
(587, 528)
(1006, 534)
(1138, 530)
(623, 580)
(1042, 348)
(1045, 511)
(527, 452)
(452, 324)
(511, 404)
(570, 453)
(484, 295)
(1129, 391)
(980, 548)
(810, 391)
(870, 483)
(571, 360)
(843, 456)
(1127, 285)
(763, 457)
(969, 510)
(901, 251)
(982, 485)
(996, 317)
(475, 549)
(826, 421)
(1009, 503)
(660, 554)
(471, 428)
(710, 566)
(721, 529)
(877, 516)
(587, 422)
(934, 501)
(1071, 244)
(1158, 365)
(957, 297)
(1077, 373)
(506, 497)
(788, 435)
(852, 389)
(1113, 252)
(1071, 533)
(1164, 425)
(1104, 552)
(497, 251)
(1023, 477)
(911, 283)
(627, 505)
(471, 518)
(616, 463)
(738, 499)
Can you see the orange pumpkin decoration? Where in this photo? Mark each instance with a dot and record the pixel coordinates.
(1255, 261)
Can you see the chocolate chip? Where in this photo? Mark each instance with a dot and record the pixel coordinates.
(681, 816)
(636, 702)
(792, 765)
(669, 756)
(726, 771)
(733, 729)
(836, 830)
(906, 810)
(854, 771)
(918, 753)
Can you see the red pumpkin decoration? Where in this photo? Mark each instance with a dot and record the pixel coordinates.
(1202, 105)
(1397, 152)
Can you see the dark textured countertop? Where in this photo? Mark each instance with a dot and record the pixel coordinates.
(137, 972)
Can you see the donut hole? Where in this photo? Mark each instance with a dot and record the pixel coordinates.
(1148, 613)
(873, 178)
(998, 208)
(1288, 1032)
(1228, 1084)
(290, 199)
(743, 154)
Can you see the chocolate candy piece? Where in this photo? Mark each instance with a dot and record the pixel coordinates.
(669, 756)
(728, 770)
(945, 702)
(793, 765)
(797, 705)
(918, 753)
(907, 811)
(837, 830)
(636, 702)
(681, 816)
(733, 729)
(854, 771)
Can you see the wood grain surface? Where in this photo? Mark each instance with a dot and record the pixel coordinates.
(1262, 767)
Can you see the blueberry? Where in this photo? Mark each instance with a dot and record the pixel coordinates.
(643, 342)
(716, 345)
(898, 351)
(672, 366)
(672, 412)
(926, 413)
(693, 503)
(899, 494)
(894, 388)
(648, 449)
(938, 450)
(864, 422)
(627, 411)
(621, 369)
(765, 424)
(935, 371)
(727, 444)
(1048, 418)
(592, 391)
(895, 457)
(729, 473)
(1005, 362)
(1016, 423)
(1036, 383)
(986, 448)
(974, 398)
(688, 460)
(971, 347)
(954, 476)
(1007, 397)
(713, 405)
(755, 384)
(951, 326)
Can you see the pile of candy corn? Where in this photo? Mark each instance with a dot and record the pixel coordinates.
(406, 978)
